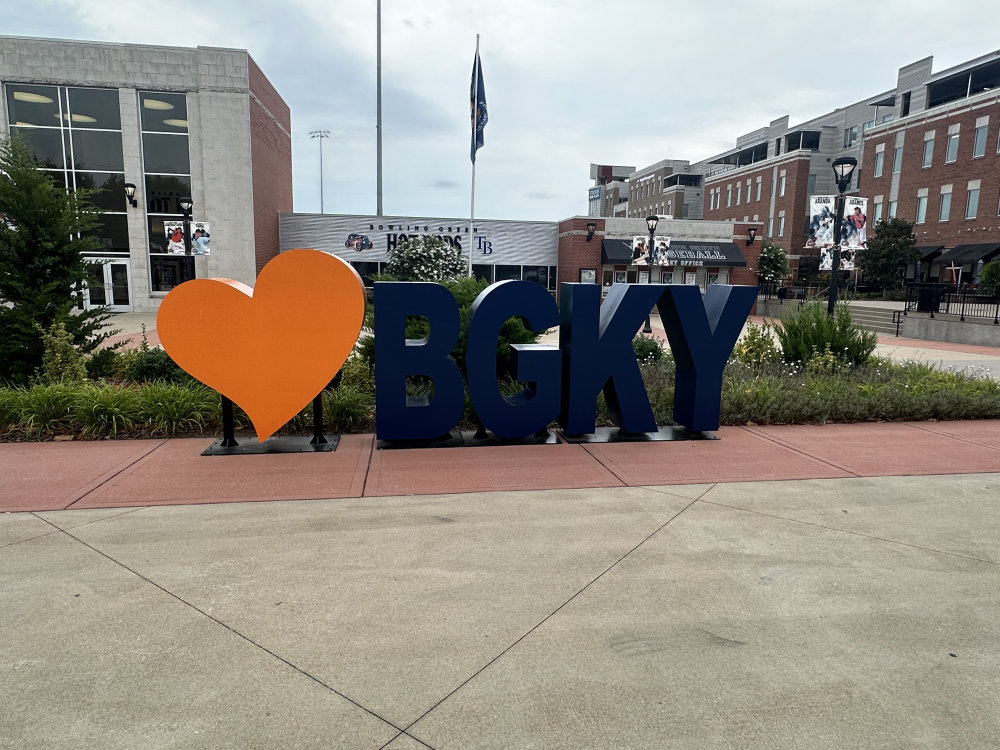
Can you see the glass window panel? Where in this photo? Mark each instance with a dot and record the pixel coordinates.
(928, 152)
(365, 269)
(112, 231)
(167, 271)
(897, 159)
(972, 205)
(163, 192)
(32, 105)
(879, 161)
(46, 144)
(507, 272)
(921, 209)
(98, 150)
(538, 274)
(483, 271)
(162, 112)
(95, 284)
(110, 188)
(165, 153)
(94, 108)
(945, 210)
(952, 151)
(979, 145)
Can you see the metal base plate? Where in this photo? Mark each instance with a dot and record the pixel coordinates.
(615, 435)
(248, 446)
(468, 439)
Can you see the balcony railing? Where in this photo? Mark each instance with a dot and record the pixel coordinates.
(964, 302)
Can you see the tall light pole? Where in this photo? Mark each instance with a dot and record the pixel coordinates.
(322, 135)
(843, 168)
(187, 206)
(378, 107)
(651, 222)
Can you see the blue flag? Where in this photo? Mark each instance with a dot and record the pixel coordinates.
(477, 106)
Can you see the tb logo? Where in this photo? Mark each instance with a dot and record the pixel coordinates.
(484, 245)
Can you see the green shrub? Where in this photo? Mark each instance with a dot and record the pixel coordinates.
(103, 410)
(647, 349)
(104, 364)
(807, 332)
(757, 345)
(175, 408)
(46, 409)
(148, 363)
(61, 360)
(10, 407)
(348, 409)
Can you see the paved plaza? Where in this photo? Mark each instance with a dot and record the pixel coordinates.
(814, 586)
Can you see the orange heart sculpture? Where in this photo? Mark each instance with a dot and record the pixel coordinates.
(272, 348)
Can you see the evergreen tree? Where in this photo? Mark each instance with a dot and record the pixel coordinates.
(889, 250)
(43, 231)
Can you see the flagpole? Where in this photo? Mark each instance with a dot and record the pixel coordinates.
(472, 206)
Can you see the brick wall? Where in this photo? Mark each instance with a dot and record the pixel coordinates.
(271, 163)
(575, 252)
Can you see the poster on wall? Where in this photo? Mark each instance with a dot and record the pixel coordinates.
(174, 230)
(853, 229)
(640, 251)
(201, 237)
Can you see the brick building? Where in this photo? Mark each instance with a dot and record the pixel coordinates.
(928, 151)
(937, 164)
(203, 124)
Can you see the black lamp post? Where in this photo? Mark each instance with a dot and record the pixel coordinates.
(186, 204)
(651, 223)
(843, 168)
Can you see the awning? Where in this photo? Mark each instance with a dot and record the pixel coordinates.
(963, 254)
(715, 254)
(928, 252)
(616, 252)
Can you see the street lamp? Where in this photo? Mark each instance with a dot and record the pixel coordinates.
(186, 205)
(843, 168)
(322, 135)
(651, 224)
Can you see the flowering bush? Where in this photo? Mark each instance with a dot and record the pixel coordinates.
(426, 258)
(773, 262)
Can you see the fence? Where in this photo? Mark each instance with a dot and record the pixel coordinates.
(943, 299)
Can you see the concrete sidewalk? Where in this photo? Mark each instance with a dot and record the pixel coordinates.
(779, 587)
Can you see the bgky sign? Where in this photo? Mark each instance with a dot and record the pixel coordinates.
(562, 383)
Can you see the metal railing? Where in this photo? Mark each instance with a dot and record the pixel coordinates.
(944, 299)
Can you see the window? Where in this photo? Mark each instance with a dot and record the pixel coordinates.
(879, 160)
(892, 209)
(904, 106)
(897, 160)
(921, 206)
(770, 226)
(76, 136)
(951, 152)
(729, 195)
(167, 167)
(758, 187)
(979, 140)
(877, 209)
(850, 136)
(972, 201)
(928, 149)
(781, 184)
(749, 187)
(944, 210)
(739, 194)
(812, 185)
(781, 224)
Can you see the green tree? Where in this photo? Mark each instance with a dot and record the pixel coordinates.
(989, 277)
(889, 250)
(426, 258)
(773, 262)
(43, 233)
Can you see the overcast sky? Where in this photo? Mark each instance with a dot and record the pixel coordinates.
(568, 82)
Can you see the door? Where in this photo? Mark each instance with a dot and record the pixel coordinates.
(110, 285)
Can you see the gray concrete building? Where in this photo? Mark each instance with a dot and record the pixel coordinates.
(201, 124)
